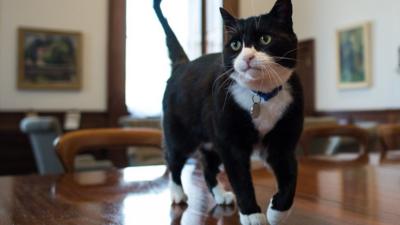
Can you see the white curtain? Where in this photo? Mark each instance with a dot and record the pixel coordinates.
(147, 62)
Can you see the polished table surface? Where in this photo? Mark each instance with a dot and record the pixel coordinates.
(355, 193)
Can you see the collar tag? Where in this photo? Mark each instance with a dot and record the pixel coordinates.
(267, 96)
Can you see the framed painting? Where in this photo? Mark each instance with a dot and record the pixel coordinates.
(49, 59)
(354, 57)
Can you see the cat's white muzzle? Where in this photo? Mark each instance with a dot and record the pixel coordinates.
(258, 71)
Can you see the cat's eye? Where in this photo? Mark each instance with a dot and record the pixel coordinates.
(265, 39)
(236, 45)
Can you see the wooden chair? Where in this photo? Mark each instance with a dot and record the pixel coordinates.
(389, 137)
(332, 130)
(72, 143)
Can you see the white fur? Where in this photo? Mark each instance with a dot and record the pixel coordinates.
(253, 219)
(257, 71)
(276, 217)
(271, 111)
(222, 197)
(177, 193)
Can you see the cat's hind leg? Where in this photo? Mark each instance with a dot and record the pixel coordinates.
(211, 163)
(178, 147)
(175, 163)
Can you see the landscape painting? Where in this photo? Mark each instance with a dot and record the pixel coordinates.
(49, 59)
(354, 64)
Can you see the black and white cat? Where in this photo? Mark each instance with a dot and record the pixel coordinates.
(226, 104)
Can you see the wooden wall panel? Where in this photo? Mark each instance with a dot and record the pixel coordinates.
(379, 116)
(15, 154)
(232, 6)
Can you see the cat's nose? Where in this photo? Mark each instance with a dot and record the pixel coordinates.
(248, 60)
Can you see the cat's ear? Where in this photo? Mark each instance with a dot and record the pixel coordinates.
(229, 20)
(283, 10)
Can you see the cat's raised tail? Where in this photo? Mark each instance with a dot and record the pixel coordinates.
(175, 50)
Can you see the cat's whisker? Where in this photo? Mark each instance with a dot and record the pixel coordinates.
(290, 51)
(264, 73)
(274, 77)
(282, 57)
(260, 85)
(223, 74)
(270, 72)
(222, 85)
(286, 58)
(220, 77)
(274, 71)
(271, 62)
(225, 83)
(276, 60)
(280, 81)
(227, 95)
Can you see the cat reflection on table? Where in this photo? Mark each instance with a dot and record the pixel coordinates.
(224, 104)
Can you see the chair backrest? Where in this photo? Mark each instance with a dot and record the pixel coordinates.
(129, 121)
(72, 143)
(389, 136)
(359, 134)
(320, 145)
(42, 132)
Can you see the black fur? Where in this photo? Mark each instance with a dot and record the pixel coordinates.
(198, 109)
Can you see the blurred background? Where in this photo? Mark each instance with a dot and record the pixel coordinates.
(348, 61)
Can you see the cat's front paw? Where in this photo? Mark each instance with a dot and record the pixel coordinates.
(177, 194)
(276, 217)
(223, 197)
(253, 219)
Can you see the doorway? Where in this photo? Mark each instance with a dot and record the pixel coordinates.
(306, 71)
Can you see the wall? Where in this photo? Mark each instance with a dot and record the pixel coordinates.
(87, 16)
(319, 19)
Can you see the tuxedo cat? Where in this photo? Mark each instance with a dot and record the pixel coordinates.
(226, 104)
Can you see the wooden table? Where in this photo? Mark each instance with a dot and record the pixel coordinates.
(327, 194)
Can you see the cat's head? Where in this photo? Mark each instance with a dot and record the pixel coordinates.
(261, 51)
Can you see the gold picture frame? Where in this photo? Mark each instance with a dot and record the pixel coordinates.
(49, 59)
(354, 68)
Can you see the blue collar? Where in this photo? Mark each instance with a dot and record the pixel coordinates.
(267, 96)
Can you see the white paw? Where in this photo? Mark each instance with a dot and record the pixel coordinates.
(223, 197)
(253, 219)
(177, 194)
(276, 217)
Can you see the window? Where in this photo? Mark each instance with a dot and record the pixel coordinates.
(214, 31)
(147, 62)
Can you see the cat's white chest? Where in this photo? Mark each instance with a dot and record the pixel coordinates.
(270, 112)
